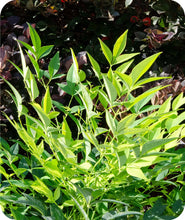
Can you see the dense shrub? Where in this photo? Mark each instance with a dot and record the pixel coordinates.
(108, 153)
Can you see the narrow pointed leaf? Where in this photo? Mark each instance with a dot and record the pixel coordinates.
(56, 212)
(106, 51)
(42, 115)
(66, 130)
(18, 98)
(140, 69)
(153, 144)
(28, 46)
(36, 41)
(86, 99)
(110, 122)
(80, 208)
(33, 87)
(124, 57)
(76, 67)
(47, 102)
(120, 45)
(124, 67)
(111, 90)
(179, 101)
(54, 65)
(95, 65)
(35, 65)
(39, 186)
(44, 51)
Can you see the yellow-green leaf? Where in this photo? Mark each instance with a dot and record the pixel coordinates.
(136, 172)
(47, 102)
(106, 51)
(120, 45)
(41, 188)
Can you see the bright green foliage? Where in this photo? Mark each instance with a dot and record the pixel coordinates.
(127, 148)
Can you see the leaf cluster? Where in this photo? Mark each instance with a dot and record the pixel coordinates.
(125, 157)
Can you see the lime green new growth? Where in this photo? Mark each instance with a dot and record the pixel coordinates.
(115, 170)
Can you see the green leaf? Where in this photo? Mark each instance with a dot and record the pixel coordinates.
(18, 215)
(42, 115)
(14, 150)
(124, 67)
(23, 61)
(23, 134)
(4, 143)
(80, 208)
(136, 172)
(104, 100)
(35, 65)
(124, 57)
(153, 144)
(110, 216)
(134, 101)
(86, 99)
(147, 80)
(157, 211)
(126, 79)
(66, 130)
(40, 148)
(111, 201)
(126, 122)
(53, 114)
(54, 65)
(106, 51)
(60, 145)
(149, 108)
(44, 51)
(165, 107)
(120, 45)
(35, 203)
(18, 98)
(172, 122)
(178, 101)
(111, 90)
(16, 67)
(33, 87)
(62, 108)
(110, 121)
(142, 103)
(34, 38)
(76, 68)
(85, 166)
(3, 171)
(47, 102)
(52, 168)
(71, 87)
(161, 175)
(40, 187)
(95, 65)
(56, 212)
(57, 193)
(30, 121)
(115, 81)
(86, 192)
(29, 47)
(140, 69)
(82, 75)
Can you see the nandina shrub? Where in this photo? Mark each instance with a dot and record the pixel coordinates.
(125, 158)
